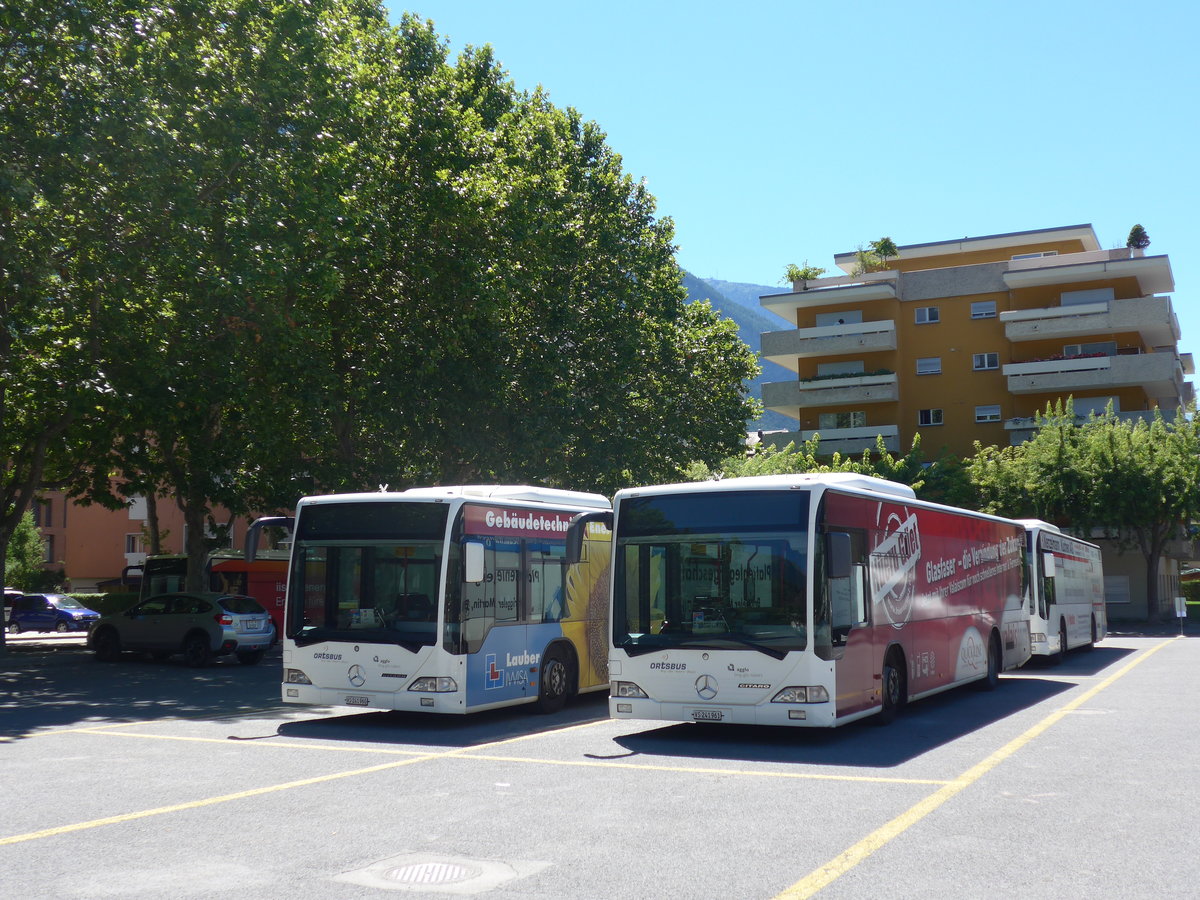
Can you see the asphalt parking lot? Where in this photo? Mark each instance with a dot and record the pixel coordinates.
(148, 779)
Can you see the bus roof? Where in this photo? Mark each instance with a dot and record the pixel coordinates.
(782, 482)
(507, 492)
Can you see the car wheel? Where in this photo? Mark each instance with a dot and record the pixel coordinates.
(554, 684)
(107, 644)
(14, 627)
(62, 627)
(250, 657)
(196, 652)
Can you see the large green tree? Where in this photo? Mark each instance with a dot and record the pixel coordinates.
(1135, 481)
(56, 217)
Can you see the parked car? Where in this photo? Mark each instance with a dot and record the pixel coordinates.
(11, 595)
(200, 626)
(49, 612)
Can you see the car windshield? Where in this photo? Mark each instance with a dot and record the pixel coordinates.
(712, 570)
(242, 606)
(62, 601)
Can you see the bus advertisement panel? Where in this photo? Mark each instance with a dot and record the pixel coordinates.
(806, 600)
(445, 600)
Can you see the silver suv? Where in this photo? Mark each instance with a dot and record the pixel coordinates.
(200, 626)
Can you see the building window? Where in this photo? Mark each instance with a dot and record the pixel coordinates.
(846, 317)
(929, 417)
(987, 413)
(853, 367)
(48, 546)
(1099, 348)
(927, 314)
(829, 421)
(1036, 255)
(929, 365)
(135, 543)
(985, 361)
(983, 309)
(42, 517)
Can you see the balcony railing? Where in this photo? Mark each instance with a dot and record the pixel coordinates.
(1151, 317)
(1159, 374)
(847, 441)
(787, 396)
(785, 347)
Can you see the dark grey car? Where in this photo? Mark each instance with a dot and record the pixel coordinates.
(200, 626)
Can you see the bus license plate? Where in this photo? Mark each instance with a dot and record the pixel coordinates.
(708, 715)
(358, 701)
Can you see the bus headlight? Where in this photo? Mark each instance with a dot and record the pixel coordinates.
(814, 693)
(628, 689)
(434, 684)
(295, 676)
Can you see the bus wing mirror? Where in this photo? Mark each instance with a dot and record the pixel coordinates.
(1048, 564)
(837, 555)
(256, 527)
(472, 562)
(577, 530)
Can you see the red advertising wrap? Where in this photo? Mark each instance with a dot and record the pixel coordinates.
(938, 580)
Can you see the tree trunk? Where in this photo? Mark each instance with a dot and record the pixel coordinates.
(152, 523)
(1153, 609)
(196, 547)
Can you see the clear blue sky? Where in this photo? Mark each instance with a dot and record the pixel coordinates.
(774, 132)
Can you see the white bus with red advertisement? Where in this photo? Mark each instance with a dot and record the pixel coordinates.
(1066, 591)
(445, 600)
(806, 600)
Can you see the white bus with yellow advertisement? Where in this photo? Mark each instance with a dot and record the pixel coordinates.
(445, 600)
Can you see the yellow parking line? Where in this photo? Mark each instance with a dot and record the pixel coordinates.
(255, 792)
(844, 862)
(208, 801)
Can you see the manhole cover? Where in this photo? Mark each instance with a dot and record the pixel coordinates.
(431, 873)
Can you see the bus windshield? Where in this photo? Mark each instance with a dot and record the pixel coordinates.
(722, 570)
(370, 574)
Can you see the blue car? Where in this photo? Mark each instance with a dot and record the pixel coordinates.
(49, 612)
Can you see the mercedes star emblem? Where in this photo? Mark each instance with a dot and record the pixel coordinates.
(706, 687)
(357, 676)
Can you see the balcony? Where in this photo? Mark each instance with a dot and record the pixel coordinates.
(831, 291)
(1152, 272)
(788, 396)
(1159, 374)
(1022, 428)
(847, 441)
(1151, 317)
(785, 347)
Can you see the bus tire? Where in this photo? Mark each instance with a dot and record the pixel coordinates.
(554, 684)
(1062, 641)
(893, 689)
(991, 680)
(1091, 645)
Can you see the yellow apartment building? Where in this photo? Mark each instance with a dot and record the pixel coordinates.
(967, 339)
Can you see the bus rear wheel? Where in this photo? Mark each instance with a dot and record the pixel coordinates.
(893, 691)
(1062, 641)
(554, 684)
(991, 680)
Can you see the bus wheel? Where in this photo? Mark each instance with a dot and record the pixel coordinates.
(1091, 645)
(990, 681)
(894, 690)
(554, 684)
(1062, 641)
